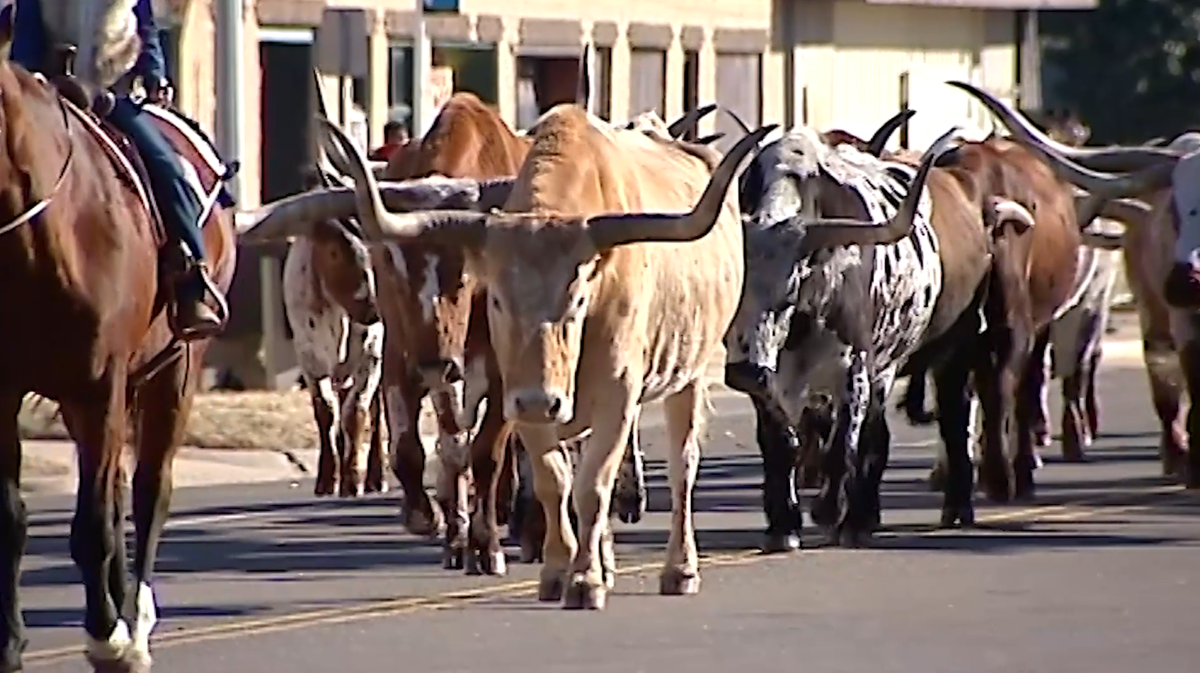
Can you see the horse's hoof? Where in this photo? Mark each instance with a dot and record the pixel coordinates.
(550, 590)
(675, 582)
(776, 543)
(583, 596)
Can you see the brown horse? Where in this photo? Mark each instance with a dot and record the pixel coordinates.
(88, 328)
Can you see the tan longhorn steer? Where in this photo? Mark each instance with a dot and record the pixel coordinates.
(612, 275)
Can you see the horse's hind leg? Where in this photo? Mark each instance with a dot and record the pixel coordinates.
(97, 423)
(14, 526)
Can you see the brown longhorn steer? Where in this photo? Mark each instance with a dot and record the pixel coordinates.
(1032, 279)
(79, 249)
(1159, 241)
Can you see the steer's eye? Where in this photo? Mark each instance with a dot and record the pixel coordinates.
(495, 302)
(575, 308)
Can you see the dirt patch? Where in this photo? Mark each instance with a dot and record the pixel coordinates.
(219, 420)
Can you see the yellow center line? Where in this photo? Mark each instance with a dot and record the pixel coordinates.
(397, 606)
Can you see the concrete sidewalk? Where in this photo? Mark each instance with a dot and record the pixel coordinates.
(50, 465)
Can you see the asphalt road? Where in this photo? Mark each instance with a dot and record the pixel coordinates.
(1102, 576)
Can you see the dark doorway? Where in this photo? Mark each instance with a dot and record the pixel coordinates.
(287, 95)
(542, 83)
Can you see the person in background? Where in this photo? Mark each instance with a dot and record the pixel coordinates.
(394, 137)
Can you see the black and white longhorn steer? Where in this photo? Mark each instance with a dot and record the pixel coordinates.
(831, 309)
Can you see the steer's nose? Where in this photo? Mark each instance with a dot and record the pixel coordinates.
(747, 377)
(438, 373)
(1182, 287)
(536, 406)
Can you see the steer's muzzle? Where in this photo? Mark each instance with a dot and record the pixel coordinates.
(437, 374)
(747, 377)
(1182, 287)
(535, 406)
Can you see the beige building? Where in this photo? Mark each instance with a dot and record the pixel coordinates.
(845, 64)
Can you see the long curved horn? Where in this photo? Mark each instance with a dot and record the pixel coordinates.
(709, 139)
(736, 118)
(835, 233)
(884, 132)
(453, 226)
(295, 215)
(687, 121)
(1133, 212)
(1104, 159)
(608, 231)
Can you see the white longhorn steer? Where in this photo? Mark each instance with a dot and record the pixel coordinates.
(329, 297)
(612, 271)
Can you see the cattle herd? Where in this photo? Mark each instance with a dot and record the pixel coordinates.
(564, 277)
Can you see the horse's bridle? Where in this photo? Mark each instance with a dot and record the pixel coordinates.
(37, 208)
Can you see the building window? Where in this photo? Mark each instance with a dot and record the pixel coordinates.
(648, 76)
(691, 88)
(400, 85)
(604, 82)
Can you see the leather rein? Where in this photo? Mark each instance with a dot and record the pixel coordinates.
(38, 208)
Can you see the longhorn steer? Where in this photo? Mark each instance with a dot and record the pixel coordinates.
(597, 307)
(329, 300)
(1031, 284)
(1071, 351)
(1161, 261)
(833, 308)
(437, 332)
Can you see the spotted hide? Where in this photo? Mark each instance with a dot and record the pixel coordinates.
(329, 301)
(832, 309)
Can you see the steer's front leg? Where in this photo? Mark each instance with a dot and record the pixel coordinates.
(551, 484)
(838, 508)
(599, 461)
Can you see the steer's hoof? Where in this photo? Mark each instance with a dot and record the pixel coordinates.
(132, 662)
(324, 486)
(847, 536)
(550, 590)
(583, 596)
(957, 517)
(486, 563)
(423, 524)
(630, 508)
(776, 543)
(452, 558)
(675, 582)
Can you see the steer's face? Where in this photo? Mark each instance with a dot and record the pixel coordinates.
(1183, 281)
(772, 192)
(539, 274)
(769, 299)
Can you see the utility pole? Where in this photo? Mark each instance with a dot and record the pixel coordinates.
(422, 115)
(230, 85)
